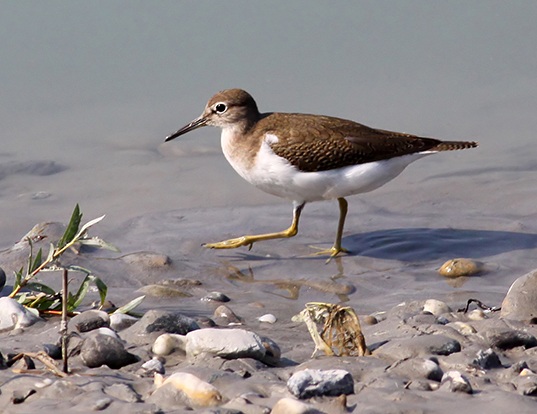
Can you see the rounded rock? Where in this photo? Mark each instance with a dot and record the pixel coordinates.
(2, 279)
(436, 307)
(520, 303)
(166, 343)
(226, 314)
(120, 321)
(315, 382)
(267, 318)
(460, 267)
(454, 381)
(185, 389)
(225, 343)
(98, 349)
(90, 320)
(13, 315)
(215, 297)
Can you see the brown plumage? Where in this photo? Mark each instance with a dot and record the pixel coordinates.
(321, 143)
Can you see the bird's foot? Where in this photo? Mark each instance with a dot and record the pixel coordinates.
(331, 252)
(231, 243)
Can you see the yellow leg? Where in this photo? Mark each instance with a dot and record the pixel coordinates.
(337, 248)
(250, 240)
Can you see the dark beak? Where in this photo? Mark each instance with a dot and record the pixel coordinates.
(195, 124)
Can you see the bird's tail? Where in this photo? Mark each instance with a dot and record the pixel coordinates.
(454, 145)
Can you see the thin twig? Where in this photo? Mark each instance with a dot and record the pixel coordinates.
(63, 325)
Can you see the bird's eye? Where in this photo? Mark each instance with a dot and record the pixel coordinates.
(220, 108)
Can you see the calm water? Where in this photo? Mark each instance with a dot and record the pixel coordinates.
(90, 90)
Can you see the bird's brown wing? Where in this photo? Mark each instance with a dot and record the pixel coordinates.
(318, 143)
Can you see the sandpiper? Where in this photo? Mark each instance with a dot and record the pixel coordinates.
(304, 158)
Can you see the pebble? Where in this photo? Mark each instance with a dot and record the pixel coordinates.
(460, 267)
(98, 349)
(52, 350)
(289, 405)
(487, 359)
(149, 368)
(418, 368)
(423, 345)
(166, 343)
(156, 322)
(267, 318)
(90, 320)
(476, 315)
(317, 383)
(507, 339)
(215, 297)
(369, 320)
(14, 316)
(120, 321)
(185, 389)
(225, 343)
(526, 384)
(159, 291)
(454, 381)
(520, 303)
(463, 328)
(435, 307)
(227, 315)
(44, 383)
(148, 260)
(2, 279)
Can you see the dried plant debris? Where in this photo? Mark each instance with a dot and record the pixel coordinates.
(340, 333)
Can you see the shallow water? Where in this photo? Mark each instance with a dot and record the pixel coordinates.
(91, 90)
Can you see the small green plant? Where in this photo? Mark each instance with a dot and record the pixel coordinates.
(44, 300)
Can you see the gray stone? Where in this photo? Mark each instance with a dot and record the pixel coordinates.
(162, 321)
(90, 320)
(149, 368)
(417, 368)
(215, 297)
(520, 303)
(508, 338)
(98, 349)
(225, 343)
(226, 316)
(13, 315)
(454, 381)
(120, 321)
(52, 350)
(314, 382)
(291, 406)
(487, 359)
(2, 279)
(423, 345)
(526, 384)
(157, 322)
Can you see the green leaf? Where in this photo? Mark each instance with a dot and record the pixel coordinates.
(36, 262)
(75, 300)
(18, 278)
(40, 287)
(131, 305)
(103, 289)
(100, 243)
(72, 228)
(88, 225)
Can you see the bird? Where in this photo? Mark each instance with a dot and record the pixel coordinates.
(305, 158)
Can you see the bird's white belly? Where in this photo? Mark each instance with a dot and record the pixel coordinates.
(275, 175)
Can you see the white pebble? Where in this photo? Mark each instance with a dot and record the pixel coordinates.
(435, 307)
(268, 318)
